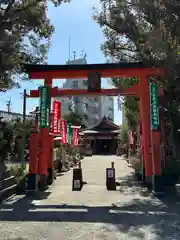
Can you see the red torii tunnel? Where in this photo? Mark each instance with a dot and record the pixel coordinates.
(150, 139)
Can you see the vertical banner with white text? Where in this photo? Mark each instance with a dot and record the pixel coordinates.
(56, 116)
(64, 131)
(69, 132)
(154, 107)
(45, 103)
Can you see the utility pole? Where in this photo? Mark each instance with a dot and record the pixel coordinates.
(24, 121)
(8, 104)
(24, 106)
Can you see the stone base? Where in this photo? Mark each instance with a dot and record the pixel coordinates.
(111, 185)
(177, 186)
(77, 182)
(110, 179)
(148, 181)
(32, 182)
(43, 182)
(89, 153)
(157, 185)
(143, 175)
(55, 174)
(50, 176)
(137, 175)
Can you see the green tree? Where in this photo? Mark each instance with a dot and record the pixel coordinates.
(13, 133)
(25, 33)
(130, 104)
(124, 134)
(145, 31)
(21, 133)
(75, 119)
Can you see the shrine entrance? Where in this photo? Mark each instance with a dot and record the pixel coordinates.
(103, 137)
(104, 147)
(151, 124)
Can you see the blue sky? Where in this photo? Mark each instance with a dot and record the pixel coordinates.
(74, 20)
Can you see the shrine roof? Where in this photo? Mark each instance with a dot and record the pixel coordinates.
(102, 66)
(102, 126)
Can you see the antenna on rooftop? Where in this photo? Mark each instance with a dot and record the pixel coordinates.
(8, 104)
(82, 53)
(74, 54)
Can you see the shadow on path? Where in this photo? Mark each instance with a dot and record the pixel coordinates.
(160, 217)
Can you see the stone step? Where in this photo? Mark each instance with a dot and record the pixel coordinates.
(7, 182)
(7, 192)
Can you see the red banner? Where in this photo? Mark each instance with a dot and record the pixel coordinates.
(64, 131)
(56, 116)
(76, 136)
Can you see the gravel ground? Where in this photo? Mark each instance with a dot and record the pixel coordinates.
(94, 213)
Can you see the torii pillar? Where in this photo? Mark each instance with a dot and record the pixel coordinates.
(33, 157)
(151, 140)
(45, 149)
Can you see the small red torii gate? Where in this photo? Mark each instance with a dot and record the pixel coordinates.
(151, 140)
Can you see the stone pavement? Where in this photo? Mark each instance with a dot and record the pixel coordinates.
(94, 213)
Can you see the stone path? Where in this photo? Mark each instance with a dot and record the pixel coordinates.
(94, 213)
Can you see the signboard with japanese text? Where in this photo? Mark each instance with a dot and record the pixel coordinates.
(45, 103)
(56, 116)
(64, 131)
(94, 81)
(154, 107)
(69, 132)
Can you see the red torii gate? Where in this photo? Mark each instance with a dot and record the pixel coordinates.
(151, 140)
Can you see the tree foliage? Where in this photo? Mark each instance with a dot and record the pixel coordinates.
(124, 134)
(74, 119)
(25, 33)
(12, 134)
(130, 104)
(148, 32)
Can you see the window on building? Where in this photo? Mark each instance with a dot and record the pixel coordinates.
(95, 110)
(76, 99)
(85, 82)
(110, 119)
(95, 99)
(110, 113)
(75, 84)
(110, 109)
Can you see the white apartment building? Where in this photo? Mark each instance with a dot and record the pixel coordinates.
(91, 109)
(107, 107)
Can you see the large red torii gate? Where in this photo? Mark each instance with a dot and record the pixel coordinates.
(151, 140)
